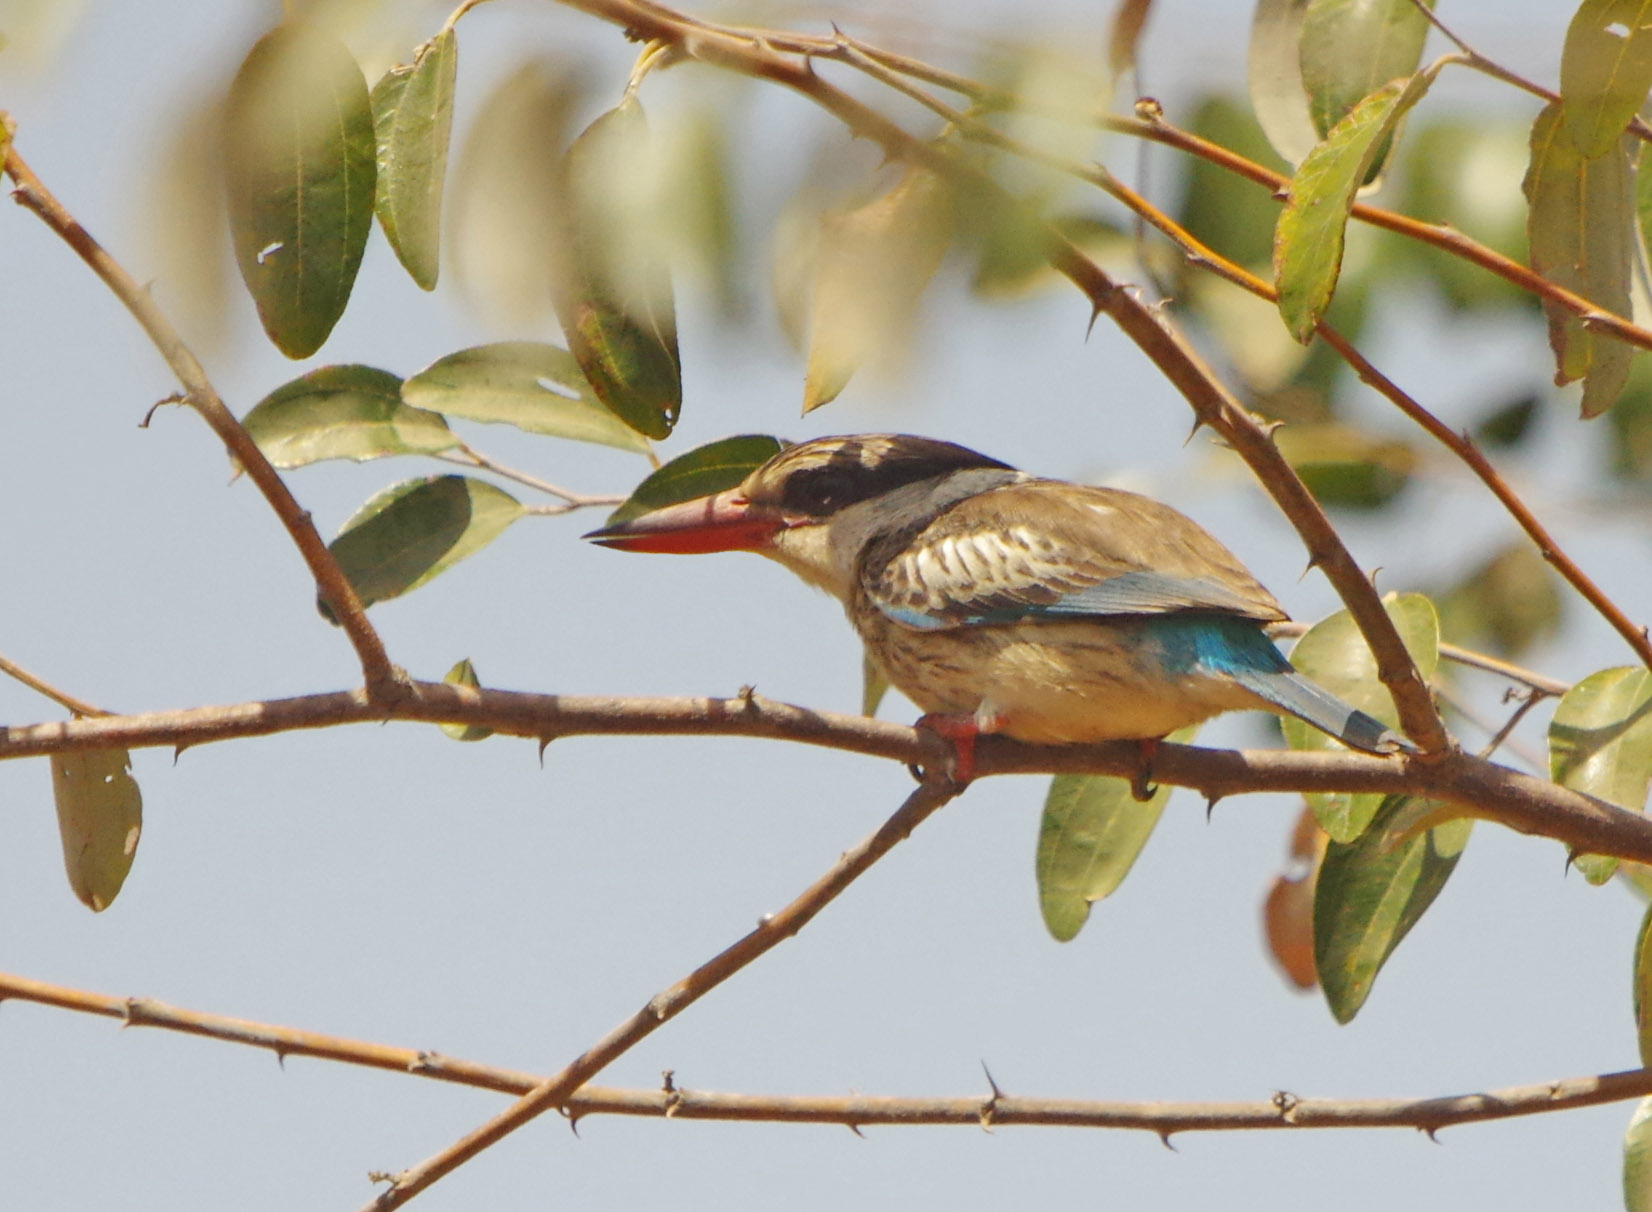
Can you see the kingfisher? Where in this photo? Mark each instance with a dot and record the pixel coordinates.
(1002, 602)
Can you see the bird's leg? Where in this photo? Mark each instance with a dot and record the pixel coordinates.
(1142, 786)
(962, 731)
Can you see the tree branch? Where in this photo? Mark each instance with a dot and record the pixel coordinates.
(334, 587)
(668, 1003)
(1480, 788)
(855, 1111)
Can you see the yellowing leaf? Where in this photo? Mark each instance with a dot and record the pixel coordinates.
(1600, 743)
(412, 122)
(100, 815)
(299, 165)
(1308, 242)
(343, 412)
(537, 388)
(1637, 1159)
(417, 530)
(1288, 911)
(613, 295)
(872, 267)
(1582, 233)
(1091, 834)
(1334, 654)
(464, 674)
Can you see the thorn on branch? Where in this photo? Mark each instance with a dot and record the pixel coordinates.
(1164, 1139)
(1432, 1131)
(855, 1128)
(176, 397)
(1286, 1103)
(1210, 806)
(280, 1058)
(989, 1108)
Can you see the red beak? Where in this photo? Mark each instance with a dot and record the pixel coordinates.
(725, 521)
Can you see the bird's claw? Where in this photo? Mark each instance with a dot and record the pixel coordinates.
(1142, 786)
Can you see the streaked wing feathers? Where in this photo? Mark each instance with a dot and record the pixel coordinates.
(1048, 549)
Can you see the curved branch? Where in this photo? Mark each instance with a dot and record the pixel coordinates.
(1480, 788)
(855, 1111)
(199, 394)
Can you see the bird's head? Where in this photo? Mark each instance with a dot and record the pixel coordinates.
(814, 506)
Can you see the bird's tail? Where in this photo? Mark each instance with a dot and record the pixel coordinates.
(1291, 692)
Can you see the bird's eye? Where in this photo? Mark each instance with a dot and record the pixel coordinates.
(820, 491)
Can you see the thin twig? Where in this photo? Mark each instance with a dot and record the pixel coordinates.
(1461, 656)
(668, 1003)
(1428, 1114)
(332, 584)
(62, 698)
(1490, 67)
(467, 456)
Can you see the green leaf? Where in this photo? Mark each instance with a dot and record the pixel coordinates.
(1333, 653)
(1582, 232)
(1092, 831)
(1345, 467)
(1637, 1159)
(701, 472)
(1274, 78)
(1605, 71)
(464, 674)
(1508, 603)
(1600, 743)
(1369, 894)
(874, 684)
(1508, 424)
(1643, 989)
(538, 388)
(100, 815)
(873, 265)
(343, 412)
(417, 530)
(1351, 48)
(299, 166)
(1308, 242)
(614, 294)
(412, 123)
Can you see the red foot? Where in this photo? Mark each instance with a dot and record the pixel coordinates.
(961, 731)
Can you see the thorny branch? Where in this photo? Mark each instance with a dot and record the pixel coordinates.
(856, 1111)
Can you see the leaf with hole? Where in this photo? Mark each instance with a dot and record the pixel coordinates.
(1334, 654)
(1600, 743)
(537, 388)
(343, 412)
(417, 530)
(100, 816)
(412, 124)
(1369, 895)
(1605, 71)
(299, 169)
(698, 473)
(613, 294)
(1092, 832)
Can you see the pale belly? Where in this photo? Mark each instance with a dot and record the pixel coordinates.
(1049, 682)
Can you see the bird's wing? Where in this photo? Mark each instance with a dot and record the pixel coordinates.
(1048, 549)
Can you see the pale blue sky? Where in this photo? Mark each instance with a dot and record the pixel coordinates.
(387, 883)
